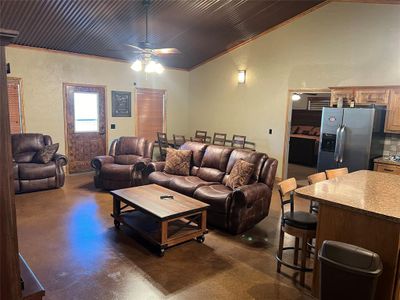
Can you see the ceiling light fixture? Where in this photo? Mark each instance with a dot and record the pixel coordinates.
(296, 97)
(148, 65)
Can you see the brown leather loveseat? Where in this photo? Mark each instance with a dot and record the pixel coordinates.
(122, 167)
(233, 210)
(30, 176)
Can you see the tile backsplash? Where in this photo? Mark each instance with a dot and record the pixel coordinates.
(392, 145)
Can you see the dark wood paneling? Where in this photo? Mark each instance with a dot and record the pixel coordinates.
(201, 29)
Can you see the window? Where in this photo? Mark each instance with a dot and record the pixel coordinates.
(14, 105)
(86, 114)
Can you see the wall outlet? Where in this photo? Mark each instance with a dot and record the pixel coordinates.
(112, 126)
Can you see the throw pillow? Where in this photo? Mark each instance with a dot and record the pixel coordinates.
(240, 174)
(46, 154)
(177, 162)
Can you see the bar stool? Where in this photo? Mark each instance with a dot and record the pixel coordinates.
(314, 178)
(336, 172)
(302, 225)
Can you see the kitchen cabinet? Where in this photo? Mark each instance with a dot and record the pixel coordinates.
(367, 96)
(392, 123)
(387, 168)
(346, 93)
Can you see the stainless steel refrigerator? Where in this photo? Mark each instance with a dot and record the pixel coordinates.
(351, 137)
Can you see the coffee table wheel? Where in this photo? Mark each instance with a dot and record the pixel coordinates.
(200, 239)
(117, 224)
(161, 252)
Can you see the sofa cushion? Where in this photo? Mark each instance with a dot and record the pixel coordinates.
(198, 150)
(178, 162)
(256, 158)
(217, 195)
(240, 174)
(126, 159)
(29, 171)
(130, 145)
(117, 172)
(161, 178)
(210, 174)
(46, 154)
(27, 142)
(187, 184)
(25, 157)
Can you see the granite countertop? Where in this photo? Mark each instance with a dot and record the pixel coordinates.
(372, 193)
(383, 160)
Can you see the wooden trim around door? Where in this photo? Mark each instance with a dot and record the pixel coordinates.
(285, 161)
(65, 113)
(164, 107)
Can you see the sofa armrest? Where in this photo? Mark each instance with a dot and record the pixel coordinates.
(248, 194)
(99, 161)
(60, 159)
(268, 172)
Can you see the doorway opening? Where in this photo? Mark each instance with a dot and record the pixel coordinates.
(85, 123)
(303, 132)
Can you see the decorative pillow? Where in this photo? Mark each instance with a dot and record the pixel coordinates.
(177, 162)
(293, 130)
(304, 129)
(46, 154)
(240, 174)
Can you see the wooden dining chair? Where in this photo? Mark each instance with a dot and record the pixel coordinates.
(336, 172)
(219, 139)
(238, 141)
(300, 224)
(162, 144)
(200, 136)
(179, 140)
(314, 178)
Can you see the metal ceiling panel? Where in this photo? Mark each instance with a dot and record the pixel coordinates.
(201, 29)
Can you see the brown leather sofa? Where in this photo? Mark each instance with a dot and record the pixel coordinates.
(30, 176)
(122, 168)
(233, 210)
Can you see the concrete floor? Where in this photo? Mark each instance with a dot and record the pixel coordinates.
(68, 238)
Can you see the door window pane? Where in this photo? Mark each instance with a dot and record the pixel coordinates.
(86, 112)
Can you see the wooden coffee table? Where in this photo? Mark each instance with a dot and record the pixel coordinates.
(163, 222)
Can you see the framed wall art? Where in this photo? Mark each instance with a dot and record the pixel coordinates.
(121, 104)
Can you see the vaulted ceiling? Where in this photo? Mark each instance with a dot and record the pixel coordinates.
(200, 29)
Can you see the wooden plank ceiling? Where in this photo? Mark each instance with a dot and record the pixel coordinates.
(200, 29)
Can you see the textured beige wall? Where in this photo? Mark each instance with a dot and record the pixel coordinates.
(337, 45)
(43, 74)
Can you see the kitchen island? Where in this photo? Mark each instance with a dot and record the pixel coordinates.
(361, 208)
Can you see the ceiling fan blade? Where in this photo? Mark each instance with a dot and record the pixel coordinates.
(166, 51)
(136, 48)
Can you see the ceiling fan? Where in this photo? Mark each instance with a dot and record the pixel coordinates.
(147, 52)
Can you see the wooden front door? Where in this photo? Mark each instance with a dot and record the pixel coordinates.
(150, 113)
(85, 121)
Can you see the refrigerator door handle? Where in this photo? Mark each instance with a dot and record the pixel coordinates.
(342, 138)
(337, 144)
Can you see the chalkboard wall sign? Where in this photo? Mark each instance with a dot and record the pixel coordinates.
(121, 104)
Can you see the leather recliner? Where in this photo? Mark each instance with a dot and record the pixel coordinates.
(30, 176)
(233, 210)
(122, 168)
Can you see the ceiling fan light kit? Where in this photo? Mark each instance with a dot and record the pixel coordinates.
(146, 60)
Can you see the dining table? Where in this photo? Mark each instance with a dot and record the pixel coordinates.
(360, 208)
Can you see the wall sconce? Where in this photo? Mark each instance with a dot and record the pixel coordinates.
(241, 76)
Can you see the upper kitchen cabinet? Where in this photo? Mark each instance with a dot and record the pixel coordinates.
(393, 112)
(347, 94)
(367, 96)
